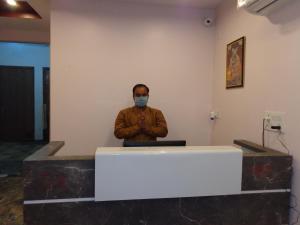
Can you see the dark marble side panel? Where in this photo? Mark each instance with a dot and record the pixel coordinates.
(256, 209)
(55, 179)
(52, 179)
(266, 172)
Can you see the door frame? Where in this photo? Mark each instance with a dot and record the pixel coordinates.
(46, 134)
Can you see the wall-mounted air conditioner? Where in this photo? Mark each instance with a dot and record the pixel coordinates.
(261, 7)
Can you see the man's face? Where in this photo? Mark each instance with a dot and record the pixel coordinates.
(140, 91)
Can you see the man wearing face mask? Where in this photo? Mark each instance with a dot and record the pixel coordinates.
(140, 122)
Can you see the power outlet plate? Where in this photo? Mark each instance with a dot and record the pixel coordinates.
(274, 119)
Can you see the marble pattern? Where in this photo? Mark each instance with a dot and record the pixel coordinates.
(266, 172)
(52, 179)
(265, 168)
(255, 209)
(59, 179)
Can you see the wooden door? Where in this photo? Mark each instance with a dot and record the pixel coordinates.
(16, 103)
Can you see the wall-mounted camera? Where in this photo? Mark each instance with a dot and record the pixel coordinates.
(208, 22)
(213, 115)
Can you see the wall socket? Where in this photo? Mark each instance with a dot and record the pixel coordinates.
(274, 119)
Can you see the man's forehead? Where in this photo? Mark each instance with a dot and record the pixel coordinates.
(140, 89)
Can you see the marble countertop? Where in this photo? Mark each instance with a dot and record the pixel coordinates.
(48, 152)
(257, 150)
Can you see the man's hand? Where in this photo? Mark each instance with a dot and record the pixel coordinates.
(147, 130)
(143, 126)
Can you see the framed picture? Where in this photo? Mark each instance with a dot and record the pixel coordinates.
(235, 58)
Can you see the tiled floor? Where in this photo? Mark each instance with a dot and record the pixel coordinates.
(17, 151)
(12, 154)
(11, 187)
(11, 201)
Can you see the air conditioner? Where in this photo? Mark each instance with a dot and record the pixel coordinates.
(261, 7)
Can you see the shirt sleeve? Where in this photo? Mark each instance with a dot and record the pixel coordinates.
(161, 128)
(123, 132)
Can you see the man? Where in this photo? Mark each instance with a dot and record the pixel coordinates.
(140, 122)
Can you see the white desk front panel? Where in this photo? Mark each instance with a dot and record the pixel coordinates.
(167, 172)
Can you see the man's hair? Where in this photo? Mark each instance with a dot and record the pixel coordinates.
(140, 86)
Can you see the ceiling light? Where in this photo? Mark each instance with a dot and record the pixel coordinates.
(11, 2)
(242, 3)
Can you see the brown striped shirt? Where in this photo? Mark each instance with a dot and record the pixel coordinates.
(126, 125)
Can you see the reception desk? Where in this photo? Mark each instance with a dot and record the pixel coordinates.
(61, 190)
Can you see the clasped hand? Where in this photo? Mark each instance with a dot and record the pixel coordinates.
(143, 126)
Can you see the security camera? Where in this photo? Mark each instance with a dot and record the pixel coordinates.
(208, 21)
(213, 115)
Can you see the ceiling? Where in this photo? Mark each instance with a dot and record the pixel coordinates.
(195, 3)
(43, 8)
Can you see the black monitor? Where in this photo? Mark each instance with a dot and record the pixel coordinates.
(127, 143)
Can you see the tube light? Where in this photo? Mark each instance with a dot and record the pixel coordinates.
(242, 3)
(11, 2)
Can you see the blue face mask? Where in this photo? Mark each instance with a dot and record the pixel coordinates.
(141, 101)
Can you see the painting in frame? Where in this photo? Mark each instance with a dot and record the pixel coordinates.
(235, 59)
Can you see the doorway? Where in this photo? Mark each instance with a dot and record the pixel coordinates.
(16, 103)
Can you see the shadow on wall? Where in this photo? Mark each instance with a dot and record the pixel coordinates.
(287, 17)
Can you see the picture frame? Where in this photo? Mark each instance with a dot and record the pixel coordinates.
(235, 63)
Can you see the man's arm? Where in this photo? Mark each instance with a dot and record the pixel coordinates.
(160, 129)
(123, 132)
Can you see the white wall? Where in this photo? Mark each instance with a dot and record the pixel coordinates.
(272, 77)
(100, 50)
